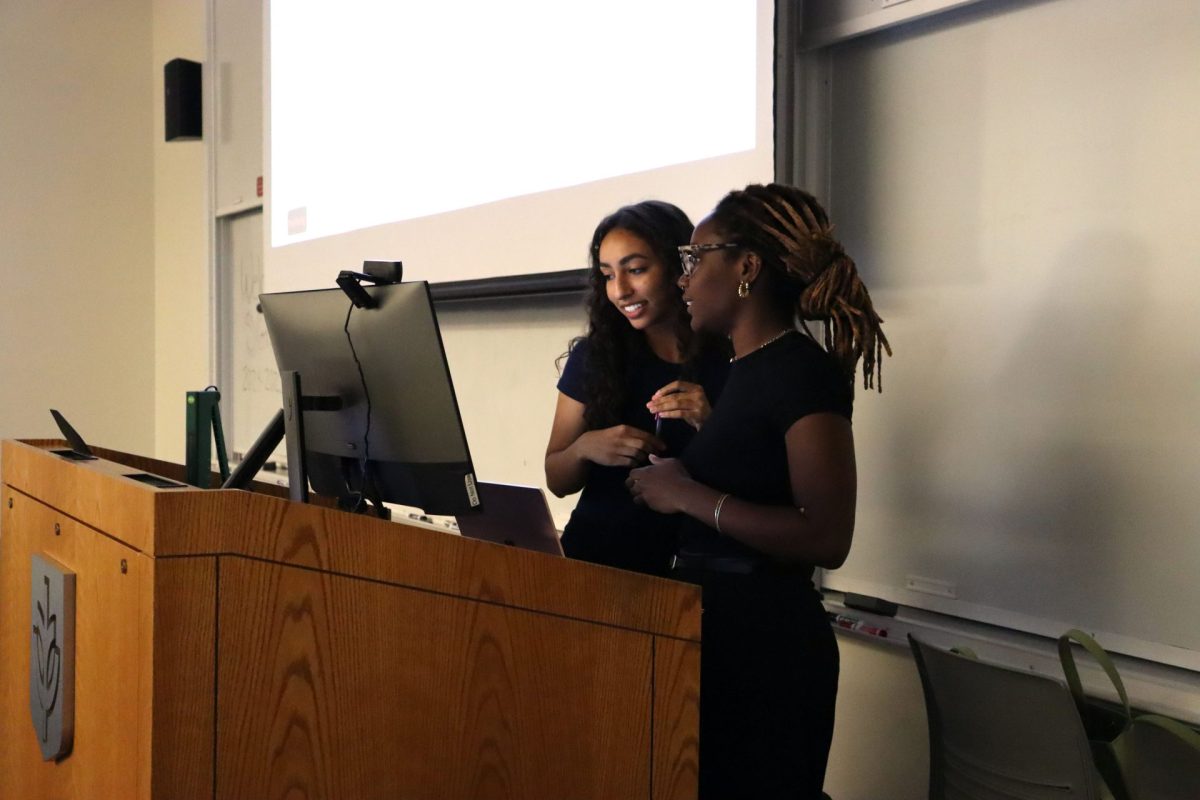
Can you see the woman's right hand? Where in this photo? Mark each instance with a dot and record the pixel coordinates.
(681, 400)
(618, 446)
(573, 448)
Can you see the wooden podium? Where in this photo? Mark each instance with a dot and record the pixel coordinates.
(233, 644)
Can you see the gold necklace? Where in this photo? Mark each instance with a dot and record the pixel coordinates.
(772, 340)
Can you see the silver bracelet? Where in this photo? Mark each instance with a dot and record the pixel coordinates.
(717, 512)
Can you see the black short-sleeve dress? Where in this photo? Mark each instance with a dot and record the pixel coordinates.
(769, 660)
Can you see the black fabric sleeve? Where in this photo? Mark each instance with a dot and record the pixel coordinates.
(814, 385)
(571, 382)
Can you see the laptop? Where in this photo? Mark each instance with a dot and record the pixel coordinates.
(513, 515)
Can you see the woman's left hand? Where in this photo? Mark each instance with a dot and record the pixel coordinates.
(660, 486)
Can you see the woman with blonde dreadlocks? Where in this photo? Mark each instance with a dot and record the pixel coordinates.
(768, 484)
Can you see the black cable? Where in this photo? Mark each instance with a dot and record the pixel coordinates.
(366, 394)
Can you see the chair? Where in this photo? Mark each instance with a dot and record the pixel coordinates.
(1160, 759)
(1001, 734)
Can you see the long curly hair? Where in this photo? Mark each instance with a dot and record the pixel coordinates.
(612, 341)
(810, 274)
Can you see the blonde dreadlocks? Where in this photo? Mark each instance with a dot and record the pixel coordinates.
(791, 233)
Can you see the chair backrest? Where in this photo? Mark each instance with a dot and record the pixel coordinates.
(1001, 734)
(1160, 760)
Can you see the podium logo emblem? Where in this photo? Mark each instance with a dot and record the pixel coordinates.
(52, 657)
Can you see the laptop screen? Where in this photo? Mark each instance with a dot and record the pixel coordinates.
(513, 515)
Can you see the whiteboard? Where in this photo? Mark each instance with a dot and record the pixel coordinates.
(1018, 183)
(255, 391)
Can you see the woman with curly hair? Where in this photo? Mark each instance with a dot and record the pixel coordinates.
(637, 383)
(768, 486)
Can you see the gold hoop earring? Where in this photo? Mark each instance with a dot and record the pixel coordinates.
(743, 289)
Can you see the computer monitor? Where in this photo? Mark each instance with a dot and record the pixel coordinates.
(377, 414)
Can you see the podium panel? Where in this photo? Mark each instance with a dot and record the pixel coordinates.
(108, 669)
(233, 644)
(379, 691)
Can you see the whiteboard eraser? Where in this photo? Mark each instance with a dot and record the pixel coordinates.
(874, 605)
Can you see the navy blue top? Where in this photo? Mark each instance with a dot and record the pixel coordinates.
(742, 448)
(607, 527)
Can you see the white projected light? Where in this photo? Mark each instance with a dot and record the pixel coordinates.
(386, 113)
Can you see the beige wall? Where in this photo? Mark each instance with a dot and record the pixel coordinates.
(880, 739)
(103, 221)
(77, 220)
(181, 237)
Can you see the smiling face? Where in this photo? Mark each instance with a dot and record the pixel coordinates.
(711, 291)
(638, 284)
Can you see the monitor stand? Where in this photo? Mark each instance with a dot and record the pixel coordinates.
(257, 455)
(293, 423)
(289, 423)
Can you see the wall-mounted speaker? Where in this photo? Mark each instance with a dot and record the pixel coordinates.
(181, 80)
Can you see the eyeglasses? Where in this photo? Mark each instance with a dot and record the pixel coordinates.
(689, 254)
